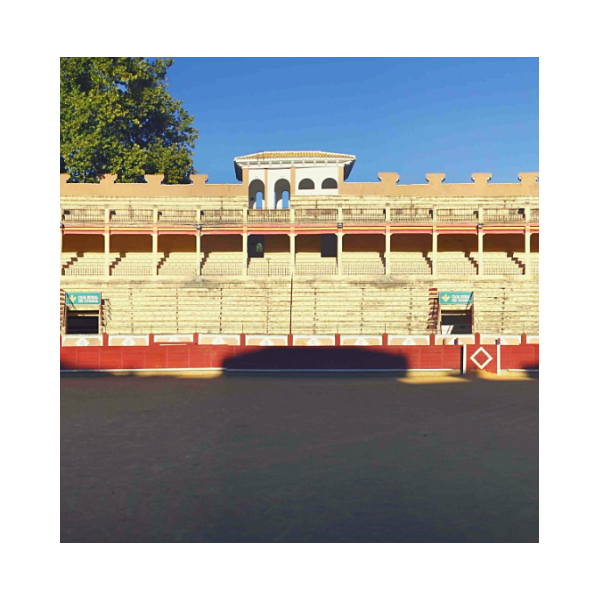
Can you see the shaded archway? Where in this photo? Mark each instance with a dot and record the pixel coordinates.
(282, 194)
(256, 194)
(329, 184)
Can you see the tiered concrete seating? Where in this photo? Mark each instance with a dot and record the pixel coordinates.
(455, 263)
(222, 264)
(409, 263)
(311, 263)
(506, 308)
(363, 263)
(86, 264)
(499, 263)
(534, 261)
(206, 307)
(179, 264)
(328, 306)
(135, 264)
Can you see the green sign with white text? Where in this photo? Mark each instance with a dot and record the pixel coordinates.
(454, 298)
(83, 298)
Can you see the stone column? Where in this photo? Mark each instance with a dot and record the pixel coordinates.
(340, 245)
(480, 235)
(292, 252)
(106, 252)
(155, 252)
(527, 251)
(388, 243)
(434, 244)
(106, 242)
(198, 253)
(245, 253)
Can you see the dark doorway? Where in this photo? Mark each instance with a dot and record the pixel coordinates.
(256, 246)
(328, 245)
(457, 321)
(82, 321)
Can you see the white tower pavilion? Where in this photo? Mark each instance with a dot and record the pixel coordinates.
(273, 176)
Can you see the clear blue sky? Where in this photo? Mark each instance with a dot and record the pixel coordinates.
(412, 116)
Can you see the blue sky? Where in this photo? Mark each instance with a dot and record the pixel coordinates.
(411, 116)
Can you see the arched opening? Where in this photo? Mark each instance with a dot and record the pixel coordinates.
(306, 184)
(329, 184)
(256, 194)
(282, 194)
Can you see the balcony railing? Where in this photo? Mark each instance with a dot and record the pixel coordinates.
(301, 215)
(503, 215)
(501, 268)
(363, 267)
(457, 215)
(268, 216)
(363, 214)
(311, 215)
(83, 215)
(175, 215)
(409, 267)
(84, 270)
(217, 216)
(132, 215)
(411, 214)
(315, 268)
(267, 268)
(222, 269)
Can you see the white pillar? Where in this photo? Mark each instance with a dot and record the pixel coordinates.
(106, 253)
(198, 253)
(340, 246)
(292, 252)
(480, 235)
(155, 253)
(245, 253)
(434, 245)
(388, 243)
(527, 251)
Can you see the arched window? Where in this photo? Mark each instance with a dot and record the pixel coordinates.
(282, 193)
(329, 184)
(307, 184)
(256, 194)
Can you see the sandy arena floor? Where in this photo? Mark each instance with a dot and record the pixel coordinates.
(298, 458)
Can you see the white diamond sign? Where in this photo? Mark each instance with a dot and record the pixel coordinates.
(82, 342)
(218, 341)
(481, 366)
(313, 342)
(409, 342)
(267, 342)
(361, 342)
(128, 342)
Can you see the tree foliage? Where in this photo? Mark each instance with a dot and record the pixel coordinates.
(117, 116)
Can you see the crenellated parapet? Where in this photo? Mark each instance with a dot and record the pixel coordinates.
(480, 187)
(153, 188)
(386, 187)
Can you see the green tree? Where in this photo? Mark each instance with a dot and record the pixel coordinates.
(116, 116)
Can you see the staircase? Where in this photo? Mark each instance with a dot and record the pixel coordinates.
(434, 309)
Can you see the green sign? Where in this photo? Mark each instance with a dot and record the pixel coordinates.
(83, 298)
(456, 298)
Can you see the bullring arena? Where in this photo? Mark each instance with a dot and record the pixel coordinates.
(340, 361)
